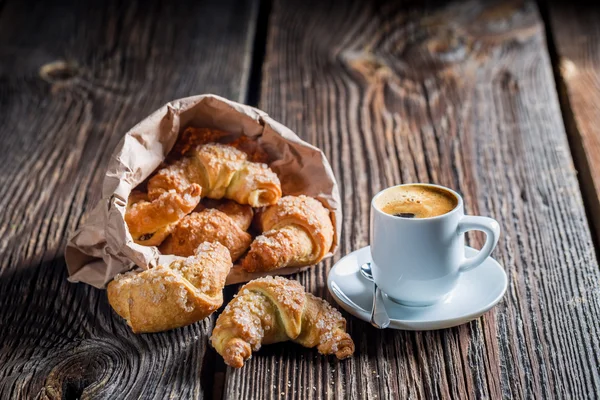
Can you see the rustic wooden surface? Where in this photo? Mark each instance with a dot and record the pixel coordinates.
(460, 94)
(575, 30)
(74, 77)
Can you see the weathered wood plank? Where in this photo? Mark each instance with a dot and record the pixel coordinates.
(576, 34)
(75, 76)
(462, 95)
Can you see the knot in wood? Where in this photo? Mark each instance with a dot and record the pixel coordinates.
(447, 45)
(89, 366)
(59, 71)
(368, 65)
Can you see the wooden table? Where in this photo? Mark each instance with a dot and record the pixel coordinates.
(463, 94)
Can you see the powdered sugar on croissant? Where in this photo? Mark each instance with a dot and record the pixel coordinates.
(223, 172)
(298, 232)
(175, 295)
(212, 225)
(151, 221)
(275, 309)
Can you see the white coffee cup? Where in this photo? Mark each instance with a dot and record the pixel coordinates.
(417, 261)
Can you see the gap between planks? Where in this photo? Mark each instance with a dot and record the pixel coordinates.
(585, 179)
(258, 35)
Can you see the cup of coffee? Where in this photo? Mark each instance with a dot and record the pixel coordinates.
(418, 244)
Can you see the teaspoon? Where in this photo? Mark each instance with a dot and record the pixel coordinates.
(379, 317)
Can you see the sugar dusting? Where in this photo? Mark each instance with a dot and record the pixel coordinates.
(184, 286)
(257, 314)
(222, 171)
(281, 245)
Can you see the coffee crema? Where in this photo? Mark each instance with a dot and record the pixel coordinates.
(417, 201)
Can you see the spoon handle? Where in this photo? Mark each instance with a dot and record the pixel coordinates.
(379, 317)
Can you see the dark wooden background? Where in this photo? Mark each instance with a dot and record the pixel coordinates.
(498, 100)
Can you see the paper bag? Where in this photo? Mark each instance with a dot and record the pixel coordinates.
(102, 246)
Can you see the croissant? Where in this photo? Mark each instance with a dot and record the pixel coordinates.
(150, 222)
(168, 297)
(192, 137)
(274, 309)
(298, 232)
(225, 224)
(241, 214)
(223, 172)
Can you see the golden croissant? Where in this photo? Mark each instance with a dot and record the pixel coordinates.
(225, 224)
(150, 222)
(223, 172)
(298, 232)
(192, 137)
(168, 297)
(271, 310)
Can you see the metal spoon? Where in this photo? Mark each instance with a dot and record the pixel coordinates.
(379, 317)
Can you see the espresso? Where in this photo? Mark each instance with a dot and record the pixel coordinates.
(417, 201)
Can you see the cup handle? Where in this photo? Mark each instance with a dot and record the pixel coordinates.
(492, 232)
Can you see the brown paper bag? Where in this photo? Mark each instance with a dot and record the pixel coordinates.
(102, 246)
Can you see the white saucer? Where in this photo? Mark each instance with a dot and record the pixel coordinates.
(476, 292)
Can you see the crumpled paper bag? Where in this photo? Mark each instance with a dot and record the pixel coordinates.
(102, 246)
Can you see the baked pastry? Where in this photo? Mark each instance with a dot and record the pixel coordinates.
(168, 297)
(270, 310)
(192, 137)
(226, 224)
(223, 172)
(150, 222)
(241, 214)
(297, 232)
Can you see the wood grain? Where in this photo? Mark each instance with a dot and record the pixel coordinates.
(462, 95)
(575, 31)
(74, 77)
